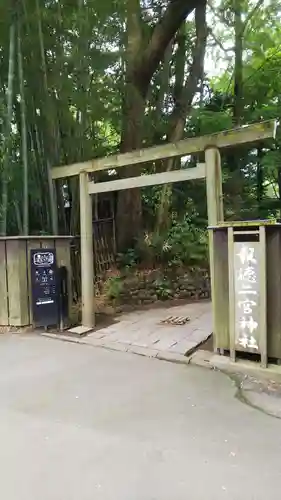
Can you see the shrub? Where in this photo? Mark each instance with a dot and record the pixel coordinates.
(184, 244)
(111, 287)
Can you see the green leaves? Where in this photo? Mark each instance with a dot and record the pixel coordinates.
(78, 114)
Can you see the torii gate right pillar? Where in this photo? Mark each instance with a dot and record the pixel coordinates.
(215, 215)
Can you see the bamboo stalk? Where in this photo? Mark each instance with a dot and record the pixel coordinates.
(25, 226)
(5, 176)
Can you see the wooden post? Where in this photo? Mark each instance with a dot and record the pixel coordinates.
(4, 302)
(17, 287)
(263, 299)
(215, 215)
(219, 193)
(87, 256)
(231, 293)
(214, 186)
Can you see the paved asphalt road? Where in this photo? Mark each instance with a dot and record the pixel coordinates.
(83, 423)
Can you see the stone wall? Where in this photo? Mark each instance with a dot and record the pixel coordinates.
(147, 287)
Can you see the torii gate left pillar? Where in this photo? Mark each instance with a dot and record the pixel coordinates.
(87, 253)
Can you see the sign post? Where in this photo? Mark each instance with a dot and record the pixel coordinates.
(247, 290)
(247, 295)
(44, 286)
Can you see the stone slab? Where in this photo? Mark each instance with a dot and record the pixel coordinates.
(183, 347)
(173, 357)
(115, 346)
(143, 351)
(80, 330)
(165, 344)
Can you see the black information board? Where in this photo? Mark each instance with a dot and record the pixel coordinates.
(44, 285)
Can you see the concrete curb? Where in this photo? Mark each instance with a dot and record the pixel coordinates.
(205, 359)
(243, 367)
(122, 347)
(200, 357)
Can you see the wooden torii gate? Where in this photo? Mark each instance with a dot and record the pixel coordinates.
(211, 170)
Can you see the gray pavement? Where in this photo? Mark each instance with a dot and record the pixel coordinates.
(81, 423)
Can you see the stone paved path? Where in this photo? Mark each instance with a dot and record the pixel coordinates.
(143, 333)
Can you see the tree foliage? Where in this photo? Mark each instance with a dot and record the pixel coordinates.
(82, 79)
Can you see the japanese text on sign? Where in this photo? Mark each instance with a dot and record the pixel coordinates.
(246, 294)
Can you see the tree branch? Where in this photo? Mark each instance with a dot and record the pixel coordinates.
(163, 32)
(196, 72)
(219, 43)
(184, 103)
(251, 14)
(219, 14)
(134, 31)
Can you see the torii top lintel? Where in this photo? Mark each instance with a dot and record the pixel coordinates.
(241, 135)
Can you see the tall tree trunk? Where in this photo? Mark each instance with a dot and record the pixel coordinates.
(18, 217)
(25, 226)
(6, 159)
(260, 183)
(129, 207)
(164, 84)
(184, 95)
(142, 62)
(238, 66)
(84, 76)
(279, 191)
(238, 97)
(51, 140)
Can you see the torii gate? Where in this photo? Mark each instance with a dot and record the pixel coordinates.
(211, 170)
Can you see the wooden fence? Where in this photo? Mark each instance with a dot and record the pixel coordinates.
(15, 275)
(104, 252)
